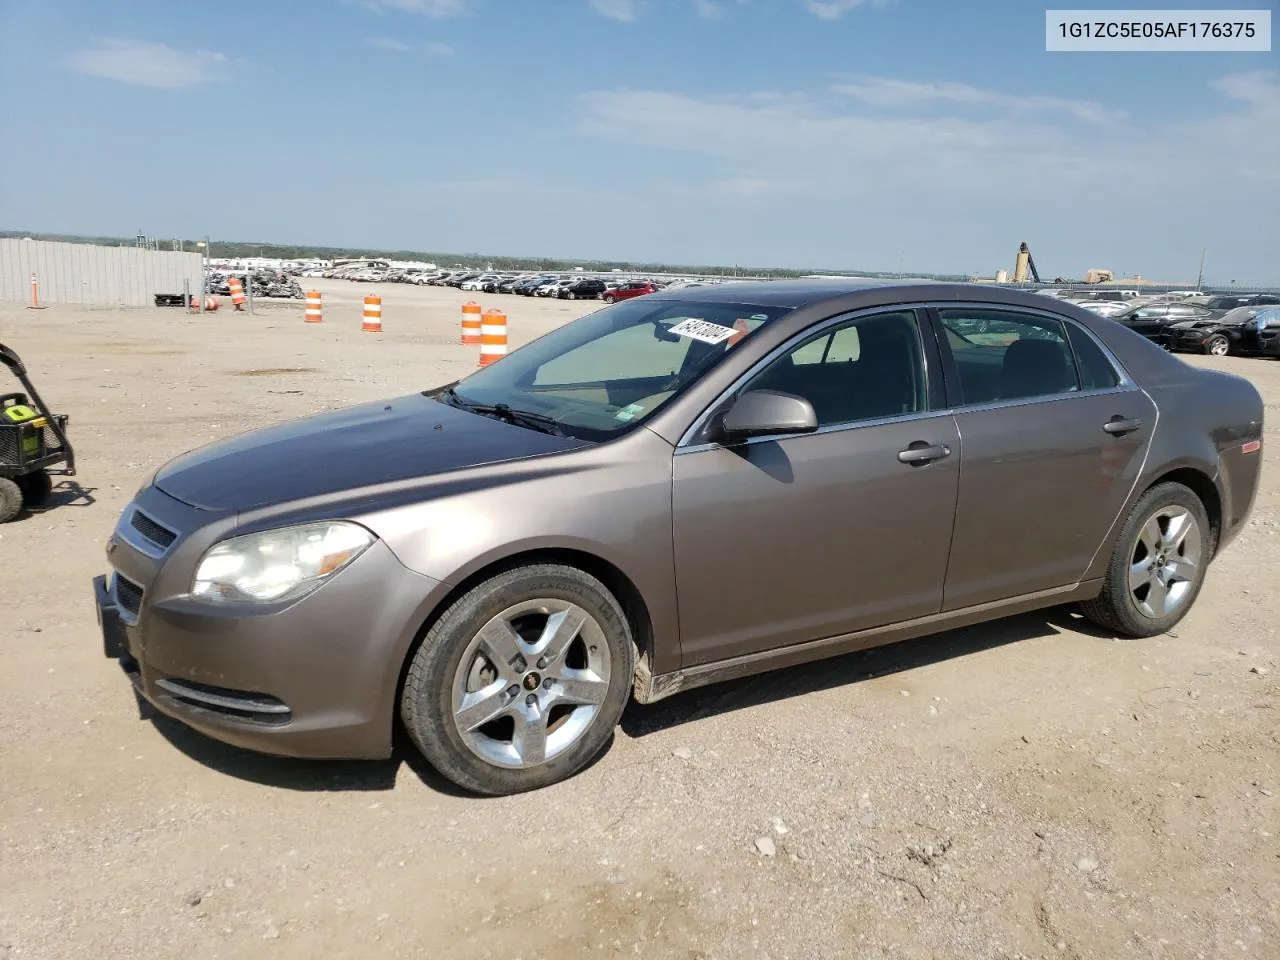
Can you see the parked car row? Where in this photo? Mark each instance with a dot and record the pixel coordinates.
(1216, 324)
(563, 286)
(268, 284)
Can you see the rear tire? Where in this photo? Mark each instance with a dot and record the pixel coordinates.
(35, 488)
(1158, 565)
(494, 712)
(10, 499)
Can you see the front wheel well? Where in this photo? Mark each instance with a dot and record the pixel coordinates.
(1202, 486)
(617, 582)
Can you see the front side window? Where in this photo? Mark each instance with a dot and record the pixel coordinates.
(867, 368)
(598, 376)
(1017, 357)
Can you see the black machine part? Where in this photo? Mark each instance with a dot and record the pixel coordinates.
(11, 360)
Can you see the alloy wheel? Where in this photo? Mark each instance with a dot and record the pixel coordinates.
(1219, 347)
(1165, 562)
(530, 683)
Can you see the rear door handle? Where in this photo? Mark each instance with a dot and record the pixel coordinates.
(1122, 425)
(924, 454)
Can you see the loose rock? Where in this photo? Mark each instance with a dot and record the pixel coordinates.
(765, 846)
(683, 753)
(1086, 865)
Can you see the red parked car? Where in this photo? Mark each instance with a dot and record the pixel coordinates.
(636, 288)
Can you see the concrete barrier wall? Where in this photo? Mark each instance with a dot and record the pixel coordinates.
(89, 274)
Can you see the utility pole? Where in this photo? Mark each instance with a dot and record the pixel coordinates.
(1200, 279)
(204, 271)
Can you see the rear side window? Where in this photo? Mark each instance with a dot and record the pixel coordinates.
(1007, 355)
(1096, 371)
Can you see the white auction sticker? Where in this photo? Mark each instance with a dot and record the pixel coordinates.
(1150, 31)
(703, 330)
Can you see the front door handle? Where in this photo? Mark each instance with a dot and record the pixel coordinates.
(914, 454)
(1118, 425)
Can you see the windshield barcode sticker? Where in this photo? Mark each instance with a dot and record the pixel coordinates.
(703, 330)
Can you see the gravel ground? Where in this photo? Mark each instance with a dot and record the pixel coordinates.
(1029, 788)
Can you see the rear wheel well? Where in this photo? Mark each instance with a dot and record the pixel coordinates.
(1199, 484)
(617, 582)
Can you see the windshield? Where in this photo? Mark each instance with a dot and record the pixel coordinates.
(609, 371)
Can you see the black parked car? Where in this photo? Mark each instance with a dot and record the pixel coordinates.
(1152, 320)
(1223, 334)
(526, 286)
(1229, 301)
(583, 290)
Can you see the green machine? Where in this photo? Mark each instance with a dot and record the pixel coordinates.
(32, 442)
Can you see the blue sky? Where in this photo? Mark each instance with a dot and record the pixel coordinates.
(837, 134)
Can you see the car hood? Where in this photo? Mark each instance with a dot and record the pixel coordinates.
(412, 436)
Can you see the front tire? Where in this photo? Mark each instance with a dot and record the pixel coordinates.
(521, 682)
(1158, 565)
(1217, 346)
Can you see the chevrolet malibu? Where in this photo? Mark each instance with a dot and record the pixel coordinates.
(679, 489)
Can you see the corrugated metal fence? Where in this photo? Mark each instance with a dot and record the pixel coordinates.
(89, 274)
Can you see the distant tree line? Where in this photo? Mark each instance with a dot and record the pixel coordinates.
(234, 249)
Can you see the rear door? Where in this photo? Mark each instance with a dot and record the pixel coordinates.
(1053, 437)
(1148, 321)
(783, 540)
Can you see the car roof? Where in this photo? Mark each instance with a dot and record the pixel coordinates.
(807, 292)
(787, 293)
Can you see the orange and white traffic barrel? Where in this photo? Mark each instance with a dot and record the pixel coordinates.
(372, 314)
(237, 292)
(314, 314)
(471, 322)
(493, 337)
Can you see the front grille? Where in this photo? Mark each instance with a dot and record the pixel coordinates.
(162, 537)
(258, 707)
(9, 446)
(128, 595)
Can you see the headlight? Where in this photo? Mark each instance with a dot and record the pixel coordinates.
(272, 565)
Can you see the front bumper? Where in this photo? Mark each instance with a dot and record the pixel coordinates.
(313, 678)
(1186, 340)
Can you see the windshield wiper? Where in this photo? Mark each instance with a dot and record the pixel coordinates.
(522, 418)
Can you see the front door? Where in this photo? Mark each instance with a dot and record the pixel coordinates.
(1052, 443)
(784, 540)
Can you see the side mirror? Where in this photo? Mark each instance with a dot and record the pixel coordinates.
(766, 413)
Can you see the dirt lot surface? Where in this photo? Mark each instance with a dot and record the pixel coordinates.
(1025, 789)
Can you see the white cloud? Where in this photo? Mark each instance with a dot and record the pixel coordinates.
(437, 49)
(143, 64)
(708, 10)
(624, 10)
(1260, 88)
(435, 9)
(887, 92)
(833, 9)
(386, 43)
